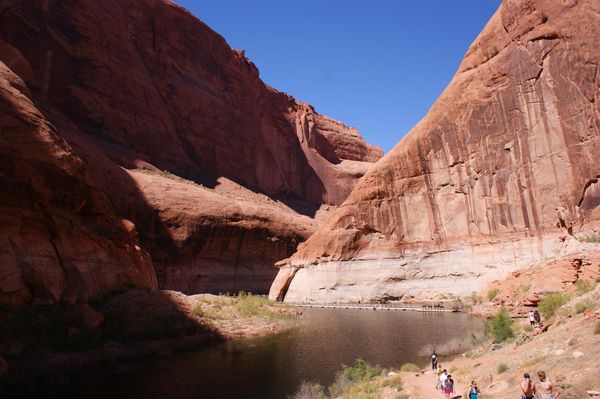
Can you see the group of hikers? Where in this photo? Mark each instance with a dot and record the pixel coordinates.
(443, 380)
(529, 390)
(534, 318)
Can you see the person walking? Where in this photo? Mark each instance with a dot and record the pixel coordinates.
(531, 318)
(449, 387)
(474, 391)
(544, 388)
(442, 380)
(527, 387)
(434, 360)
(438, 373)
(537, 318)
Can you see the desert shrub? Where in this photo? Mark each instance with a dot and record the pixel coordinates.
(551, 303)
(309, 390)
(252, 305)
(359, 372)
(584, 305)
(583, 286)
(594, 238)
(474, 298)
(340, 385)
(197, 311)
(394, 381)
(410, 367)
(502, 368)
(492, 294)
(368, 390)
(522, 338)
(225, 307)
(248, 305)
(527, 328)
(499, 326)
(597, 328)
(532, 361)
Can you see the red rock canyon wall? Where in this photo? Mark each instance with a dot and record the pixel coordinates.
(505, 163)
(148, 115)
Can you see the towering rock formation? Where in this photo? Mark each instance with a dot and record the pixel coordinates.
(136, 110)
(505, 162)
(59, 234)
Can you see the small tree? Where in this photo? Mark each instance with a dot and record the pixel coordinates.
(499, 326)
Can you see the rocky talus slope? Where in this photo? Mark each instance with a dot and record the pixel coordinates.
(135, 140)
(502, 168)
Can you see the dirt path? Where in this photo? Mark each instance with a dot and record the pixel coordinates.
(422, 386)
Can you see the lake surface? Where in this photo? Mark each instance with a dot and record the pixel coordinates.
(273, 367)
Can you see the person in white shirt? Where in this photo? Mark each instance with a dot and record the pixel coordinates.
(531, 317)
(442, 380)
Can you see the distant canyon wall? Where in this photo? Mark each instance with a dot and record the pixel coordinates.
(201, 176)
(503, 168)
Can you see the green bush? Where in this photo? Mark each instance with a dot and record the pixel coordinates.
(502, 368)
(551, 303)
(351, 376)
(361, 371)
(410, 367)
(499, 326)
(492, 294)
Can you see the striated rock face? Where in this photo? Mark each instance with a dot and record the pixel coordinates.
(59, 235)
(119, 87)
(505, 162)
(150, 77)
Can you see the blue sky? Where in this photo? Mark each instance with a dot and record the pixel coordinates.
(377, 65)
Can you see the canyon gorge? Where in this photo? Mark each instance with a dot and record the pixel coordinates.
(146, 165)
(139, 149)
(501, 173)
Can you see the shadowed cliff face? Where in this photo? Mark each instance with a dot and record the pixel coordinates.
(59, 235)
(505, 162)
(176, 133)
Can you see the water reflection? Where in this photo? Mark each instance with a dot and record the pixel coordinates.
(273, 367)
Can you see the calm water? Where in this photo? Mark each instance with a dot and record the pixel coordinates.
(273, 367)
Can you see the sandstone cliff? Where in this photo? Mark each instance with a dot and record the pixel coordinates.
(505, 162)
(153, 116)
(59, 235)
